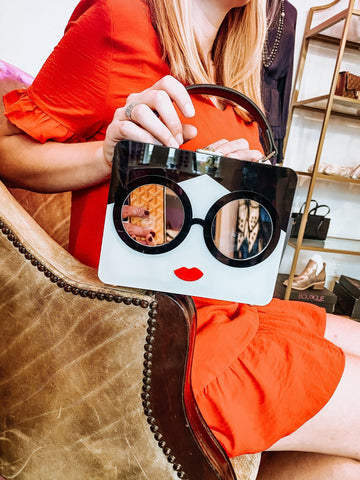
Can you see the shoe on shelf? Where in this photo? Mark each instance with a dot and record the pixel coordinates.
(321, 167)
(350, 172)
(338, 170)
(308, 277)
(355, 173)
(327, 169)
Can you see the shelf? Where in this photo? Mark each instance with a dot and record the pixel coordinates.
(341, 105)
(343, 246)
(336, 178)
(330, 22)
(355, 45)
(337, 31)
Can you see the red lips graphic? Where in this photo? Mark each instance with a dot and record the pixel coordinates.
(188, 274)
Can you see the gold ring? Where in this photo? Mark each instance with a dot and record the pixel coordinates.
(129, 109)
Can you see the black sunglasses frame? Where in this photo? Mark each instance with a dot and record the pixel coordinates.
(189, 221)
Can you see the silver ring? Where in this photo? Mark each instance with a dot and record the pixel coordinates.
(129, 109)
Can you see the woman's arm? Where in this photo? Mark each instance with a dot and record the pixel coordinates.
(55, 166)
(48, 167)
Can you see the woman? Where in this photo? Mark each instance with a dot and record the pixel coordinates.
(271, 385)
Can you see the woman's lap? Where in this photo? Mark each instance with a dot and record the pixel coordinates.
(343, 332)
(307, 466)
(335, 429)
(278, 382)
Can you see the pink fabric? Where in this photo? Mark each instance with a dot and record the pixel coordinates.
(10, 71)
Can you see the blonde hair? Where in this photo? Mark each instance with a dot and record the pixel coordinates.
(236, 52)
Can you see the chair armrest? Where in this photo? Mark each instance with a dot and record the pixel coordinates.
(93, 376)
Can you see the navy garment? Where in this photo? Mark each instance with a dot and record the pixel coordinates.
(277, 79)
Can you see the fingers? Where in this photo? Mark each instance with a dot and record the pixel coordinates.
(149, 240)
(165, 124)
(131, 211)
(189, 132)
(151, 117)
(177, 93)
(140, 234)
(166, 127)
(238, 149)
(216, 146)
(249, 155)
(122, 130)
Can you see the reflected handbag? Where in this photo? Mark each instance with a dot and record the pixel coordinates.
(348, 85)
(317, 225)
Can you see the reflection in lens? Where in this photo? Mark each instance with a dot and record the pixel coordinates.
(153, 209)
(242, 229)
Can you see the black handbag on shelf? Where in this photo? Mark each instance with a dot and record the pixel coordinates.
(317, 225)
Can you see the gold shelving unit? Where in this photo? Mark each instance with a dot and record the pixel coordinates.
(341, 106)
(329, 104)
(343, 246)
(332, 178)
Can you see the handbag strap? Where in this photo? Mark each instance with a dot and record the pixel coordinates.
(314, 210)
(244, 102)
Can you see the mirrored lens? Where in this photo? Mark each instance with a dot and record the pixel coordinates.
(242, 229)
(153, 215)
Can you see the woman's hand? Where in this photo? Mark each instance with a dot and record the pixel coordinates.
(235, 149)
(150, 117)
(141, 234)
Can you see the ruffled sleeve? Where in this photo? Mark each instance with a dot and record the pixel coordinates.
(23, 112)
(67, 99)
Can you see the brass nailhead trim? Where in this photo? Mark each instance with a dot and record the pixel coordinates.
(67, 286)
(146, 393)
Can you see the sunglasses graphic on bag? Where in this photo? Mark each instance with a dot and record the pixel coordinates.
(207, 225)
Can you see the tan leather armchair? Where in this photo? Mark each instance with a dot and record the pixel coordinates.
(94, 379)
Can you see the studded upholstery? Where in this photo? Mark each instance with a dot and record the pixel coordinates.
(85, 390)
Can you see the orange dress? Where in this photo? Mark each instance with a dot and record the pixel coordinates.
(258, 372)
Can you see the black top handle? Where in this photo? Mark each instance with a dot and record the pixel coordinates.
(243, 101)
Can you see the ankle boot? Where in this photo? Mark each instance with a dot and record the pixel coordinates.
(308, 278)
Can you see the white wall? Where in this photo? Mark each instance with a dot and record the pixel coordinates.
(30, 29)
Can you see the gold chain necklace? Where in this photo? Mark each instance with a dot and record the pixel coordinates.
(268, 57)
